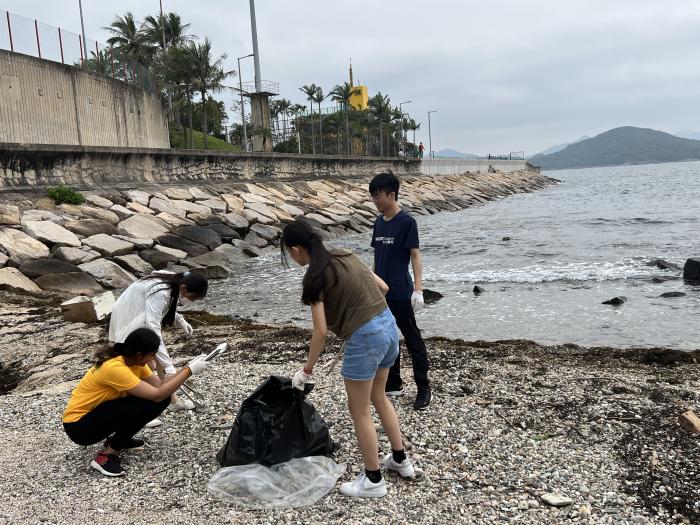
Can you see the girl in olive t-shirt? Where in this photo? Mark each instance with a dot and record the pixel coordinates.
(348, 299)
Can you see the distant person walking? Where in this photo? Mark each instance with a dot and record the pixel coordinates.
(421, 149)
(395, 243)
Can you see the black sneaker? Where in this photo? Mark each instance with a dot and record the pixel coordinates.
(108, 464)
(423, 399)
(134, 444)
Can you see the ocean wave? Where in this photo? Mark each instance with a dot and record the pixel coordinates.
(599, 221)
(544, 273)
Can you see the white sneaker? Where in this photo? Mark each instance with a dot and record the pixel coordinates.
(362, 487)
(405, 468)
(181, 404)
(395, 393)
(153, 423)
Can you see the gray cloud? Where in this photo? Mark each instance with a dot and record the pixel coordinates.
(504, 76)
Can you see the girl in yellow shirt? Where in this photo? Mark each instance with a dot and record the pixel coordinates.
(119, 395)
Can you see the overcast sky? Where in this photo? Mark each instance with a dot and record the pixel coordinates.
(503, 75)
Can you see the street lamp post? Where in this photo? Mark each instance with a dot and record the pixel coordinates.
(430, 136)
(240, 90)
(82, 25)
(403, 142)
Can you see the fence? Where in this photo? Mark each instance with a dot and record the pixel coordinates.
(31, 37)
(456, 166)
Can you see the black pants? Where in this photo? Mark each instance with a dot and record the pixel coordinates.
(122, 417)
(406, 321)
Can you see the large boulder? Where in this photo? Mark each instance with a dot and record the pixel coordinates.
(108, 274)
(199, 234)
(74, 283)
(159, 260)
(9, 214)
(98, 201)
(88, 309)
(171, 251)
(138, 196)
(141, 227)
(180, 243)
(39, 215)
(139, 208)
(37, 267)
(160, 205)
(50, 233)
(15, 280)
(236, 221)
(216, 205)
(262, 209)
(173, 221)
(200, 195)
(269, 233)
(90, 212)
(4, 259)
(74, 256)
(134, 264)
(205, 219)
(213, 265)
(178, 193)
(255, 239)
(20, 246)
(232, 254)
(121, 211)
(139, 244)
(89, 227)
(247, 248)
(234, 203)
(226, 233)
(191, 207)
(108, 246)
(253, 217)
(691, 271)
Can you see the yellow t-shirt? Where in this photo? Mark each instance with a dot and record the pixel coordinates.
(109, 381)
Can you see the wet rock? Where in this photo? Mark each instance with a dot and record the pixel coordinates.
(478, 290)
(226, 233)
(74, 256)
(269, 233)
(556, 500)
(233, 254)
(20, 246)
(14, 279)
(9, 215)
(431, 296)
(88, 309)
(74, 283)
(108, 246)
(50, 233)
(211, 272)
(247, 248)
(506, 239)
(184, 245)
(662, 279)
(663, 264)
(672, 294)
(691, 271)
(141, 227)
(108, 274)
(37, 267)
(134, 264)
(616, 301)
(198, 234)
(159, 260)
(90, 227)
(254, 239)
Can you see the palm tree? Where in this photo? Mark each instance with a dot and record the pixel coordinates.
(310, 91)
(208, 75)
(342, 93)
(318, 98)
(264, 133)
(130, 39)
(178, 68)
(380, 106)
(175, 31)
(284, 105)
(296, 110)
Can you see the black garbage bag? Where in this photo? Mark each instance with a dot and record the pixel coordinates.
(276, 424)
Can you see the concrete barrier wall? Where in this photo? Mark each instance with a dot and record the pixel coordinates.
(26, 167)
(44, 102)
(456, 166)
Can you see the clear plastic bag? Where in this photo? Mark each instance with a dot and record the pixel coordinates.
(299, 482)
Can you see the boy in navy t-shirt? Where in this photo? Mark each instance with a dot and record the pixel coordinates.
(395, 243)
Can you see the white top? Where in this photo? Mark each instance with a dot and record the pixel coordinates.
(142, 307)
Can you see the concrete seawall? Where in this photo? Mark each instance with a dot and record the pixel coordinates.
(27, 167)
(457, 166)
(44, 102)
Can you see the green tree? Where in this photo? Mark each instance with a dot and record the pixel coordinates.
(129, 38)
(319, 97)
(284, 106)
(208, 75)
(380, 106)
(342, 94)
(310, 91)
(175, 31)
(178, 68)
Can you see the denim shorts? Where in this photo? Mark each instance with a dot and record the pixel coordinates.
(373, 345)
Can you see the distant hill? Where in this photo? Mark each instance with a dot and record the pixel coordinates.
(454, 154)
(688, 134)
(620, 146)
(558, 147)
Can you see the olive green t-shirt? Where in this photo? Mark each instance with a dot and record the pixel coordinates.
(353, 297)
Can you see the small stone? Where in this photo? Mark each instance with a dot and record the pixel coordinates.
(478, 290)
(523, 505)
(88, 310)
(672, 294)
(556, 500)
(9, 214)
(533, 504)
(616, 301)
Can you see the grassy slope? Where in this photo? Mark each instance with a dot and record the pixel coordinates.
(177, 140)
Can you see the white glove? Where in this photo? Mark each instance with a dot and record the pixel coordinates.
(184, 325)
(417, 300)
(299, 379)
(198, 364)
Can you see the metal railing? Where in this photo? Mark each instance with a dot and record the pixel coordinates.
(266, 86)
(31, 37)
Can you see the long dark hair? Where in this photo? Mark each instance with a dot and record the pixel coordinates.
(141, 341)
(195, 283)
(300, 233)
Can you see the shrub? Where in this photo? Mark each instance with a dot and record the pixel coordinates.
(64, 195)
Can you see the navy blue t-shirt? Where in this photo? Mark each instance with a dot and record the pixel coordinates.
(392, 242)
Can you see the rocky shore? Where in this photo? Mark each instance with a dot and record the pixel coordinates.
(120, 235)
(515, 429)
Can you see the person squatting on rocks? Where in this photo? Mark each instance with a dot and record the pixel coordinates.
(395, 243)
(347, 298)
(151, 302)
(118, 395)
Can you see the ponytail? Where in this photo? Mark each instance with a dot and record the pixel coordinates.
(195, 283)
(300, 233)
(141, 341)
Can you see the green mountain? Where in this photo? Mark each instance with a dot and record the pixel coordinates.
(620, 146)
